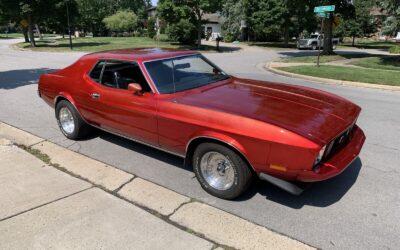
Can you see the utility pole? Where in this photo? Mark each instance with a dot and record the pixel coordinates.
(69, 26)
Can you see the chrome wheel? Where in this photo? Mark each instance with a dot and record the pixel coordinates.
(217, 170)
(66, 120)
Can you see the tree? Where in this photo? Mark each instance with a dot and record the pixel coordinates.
(151, 27)
(392, 23)
(92, 13)
(28, 13)
(343, 8)
(181, 13)
(361, 24)
(233, 13)
(123, 20)
(58, 21)
(268, 19)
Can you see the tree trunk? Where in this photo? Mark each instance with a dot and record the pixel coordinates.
(30, 32)
(286, 35)
(353, 43)
(40, 33)
(199, 31)
(328, 50)
(25, 32)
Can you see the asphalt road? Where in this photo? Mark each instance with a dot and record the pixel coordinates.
(359, 209)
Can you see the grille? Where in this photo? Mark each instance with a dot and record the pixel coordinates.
(303, 42)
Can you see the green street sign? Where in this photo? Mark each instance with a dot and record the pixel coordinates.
(323, 14)
(326, 8)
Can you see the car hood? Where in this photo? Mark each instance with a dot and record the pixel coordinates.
(313, 114)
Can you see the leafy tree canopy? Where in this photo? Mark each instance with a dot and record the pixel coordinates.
(123, 20)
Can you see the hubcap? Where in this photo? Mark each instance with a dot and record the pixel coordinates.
(217, 170)
(66, 120)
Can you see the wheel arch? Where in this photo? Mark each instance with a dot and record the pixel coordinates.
(233, 145)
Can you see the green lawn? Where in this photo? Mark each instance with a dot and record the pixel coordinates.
(386, 62)
(371, 44)
(93, 44)
(312, 59)
(20, 35)
(348, 74)
(11, 35)
(325, 59)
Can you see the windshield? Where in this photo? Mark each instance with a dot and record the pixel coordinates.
(314, 36)
(183, 73)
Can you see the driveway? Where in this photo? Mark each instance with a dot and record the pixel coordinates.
(359, 209)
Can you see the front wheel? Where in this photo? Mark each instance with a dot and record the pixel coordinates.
(221, 171)
(70, 122)
(314, 47)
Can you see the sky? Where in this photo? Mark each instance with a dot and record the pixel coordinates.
(154, 2)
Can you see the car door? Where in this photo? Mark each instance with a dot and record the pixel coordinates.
(117, 110)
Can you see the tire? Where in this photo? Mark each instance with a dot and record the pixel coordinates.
(314, 47)
(334, 46)
(234, 174)
(70, 122)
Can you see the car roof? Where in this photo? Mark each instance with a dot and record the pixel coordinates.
(140, 54)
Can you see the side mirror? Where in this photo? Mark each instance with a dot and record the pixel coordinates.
(135, 88)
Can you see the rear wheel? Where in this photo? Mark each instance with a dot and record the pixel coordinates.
(221, 171)
(70, 122)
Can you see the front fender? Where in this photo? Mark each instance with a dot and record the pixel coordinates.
(219, 137)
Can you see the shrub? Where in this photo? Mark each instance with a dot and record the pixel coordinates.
(395, 50)
(228, 38)
(124, 20)
(184, 31)
(151, 27)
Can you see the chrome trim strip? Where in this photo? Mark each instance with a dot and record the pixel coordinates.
(230, 144)
(138, 141)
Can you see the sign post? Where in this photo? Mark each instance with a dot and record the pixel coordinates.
(323, 12)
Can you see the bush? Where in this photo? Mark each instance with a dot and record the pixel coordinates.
(184, 31)
(123, 20)
(395, 50)
(151, 27)
(162, 38)
(228, 38)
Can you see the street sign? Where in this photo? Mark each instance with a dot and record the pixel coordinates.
(323, 14)
(326, 8)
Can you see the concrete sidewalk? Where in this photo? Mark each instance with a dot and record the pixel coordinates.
(44, 208)
(52, 197)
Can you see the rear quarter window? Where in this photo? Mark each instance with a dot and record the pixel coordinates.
(95, 74)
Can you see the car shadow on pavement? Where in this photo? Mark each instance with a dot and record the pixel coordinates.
(319, 194)
(17, 78)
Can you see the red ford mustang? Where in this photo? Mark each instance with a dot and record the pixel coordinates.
(229, 129)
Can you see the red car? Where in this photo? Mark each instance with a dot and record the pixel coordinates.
(229, 129)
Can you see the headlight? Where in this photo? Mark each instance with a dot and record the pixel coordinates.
(320, 155)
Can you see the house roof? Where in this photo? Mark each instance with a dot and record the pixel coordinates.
(212, 18)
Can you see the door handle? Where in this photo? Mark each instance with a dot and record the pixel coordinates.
(95, 95)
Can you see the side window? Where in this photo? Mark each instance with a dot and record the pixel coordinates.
(96, 72)
(117, 74)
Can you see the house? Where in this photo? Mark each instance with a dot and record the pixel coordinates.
(212, 23)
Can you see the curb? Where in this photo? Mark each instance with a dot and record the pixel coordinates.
(272, 68)
(215, 225)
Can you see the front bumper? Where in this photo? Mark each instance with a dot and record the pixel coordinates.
(304, 46)
(337, 163)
